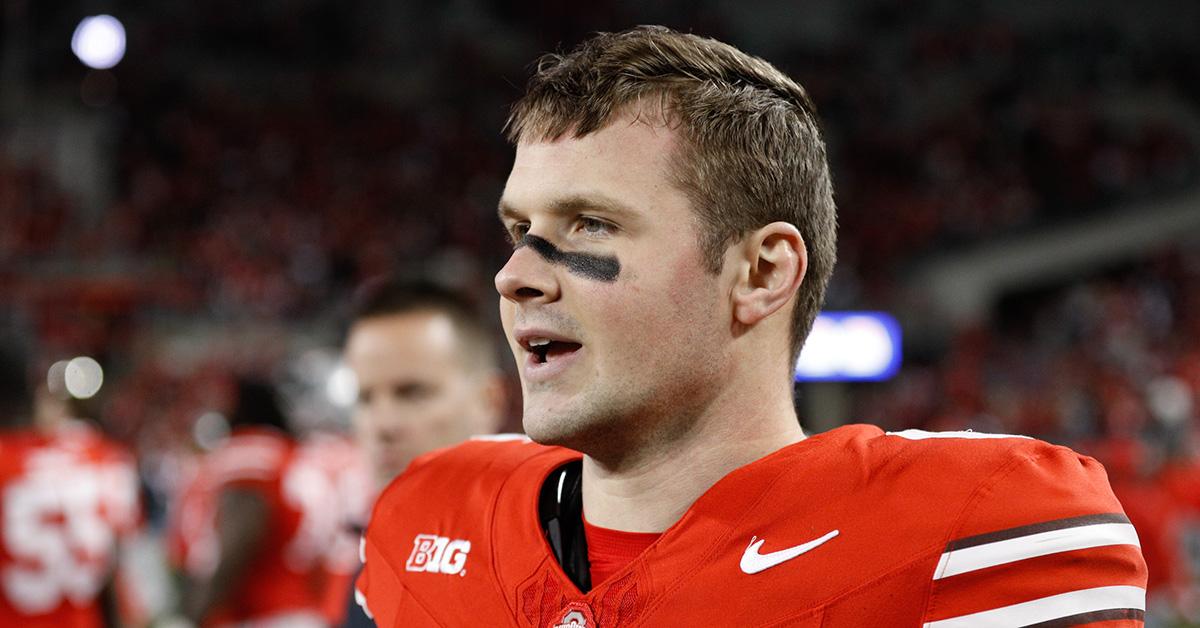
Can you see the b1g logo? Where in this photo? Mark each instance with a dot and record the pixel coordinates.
(438, 554)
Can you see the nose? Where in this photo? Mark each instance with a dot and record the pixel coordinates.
(393, 435)
(527, 278)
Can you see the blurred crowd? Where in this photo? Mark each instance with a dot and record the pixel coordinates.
(238, 208)
(1110, 366)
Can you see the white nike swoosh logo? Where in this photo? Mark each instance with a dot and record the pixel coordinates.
(753, 562)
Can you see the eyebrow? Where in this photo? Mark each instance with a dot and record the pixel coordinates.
(573, 204)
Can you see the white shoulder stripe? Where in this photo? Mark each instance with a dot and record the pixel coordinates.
(924, 435)
(1051, 608)
(959, 561)
(501, 438)
(234, 474)
(362, 601)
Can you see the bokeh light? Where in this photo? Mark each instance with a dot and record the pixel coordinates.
(83, 377)
(867, 347)
(850, 346)
(56, 377)
(99, 41)
(342, 387)
(210, 430)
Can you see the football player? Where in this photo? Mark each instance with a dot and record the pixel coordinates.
(673, 226)
(426, 369)
(427, 375)
(66, 501)
(253, 528)
(346, 479)
(69, 421)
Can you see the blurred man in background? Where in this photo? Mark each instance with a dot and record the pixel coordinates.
(426, 370)
(427, 378)
(254, 526)
(66, 500)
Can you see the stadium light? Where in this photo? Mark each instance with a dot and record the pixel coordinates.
(83, 377)
(850, 347)
(99, 41)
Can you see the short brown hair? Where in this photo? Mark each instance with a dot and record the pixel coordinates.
(387, 295)
(752, 151)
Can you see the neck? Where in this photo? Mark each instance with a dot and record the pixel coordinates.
(650, 488)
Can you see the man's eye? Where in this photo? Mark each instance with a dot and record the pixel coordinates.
(595, 226)
(518, 231)
(411, 391)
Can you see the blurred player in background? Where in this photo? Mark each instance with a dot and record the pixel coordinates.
(427, 377)
(427, 372)
(347, 480)
(66, 501)
(73, 424)
(253, 528)
(674, 228)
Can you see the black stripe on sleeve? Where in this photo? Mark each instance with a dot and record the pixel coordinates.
(1112, 614)
(1045, 526)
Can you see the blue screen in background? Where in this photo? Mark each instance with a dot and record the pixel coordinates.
(850, 347)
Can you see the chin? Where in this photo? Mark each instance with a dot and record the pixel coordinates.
(544, 429)
(561, 427)
(594, 434)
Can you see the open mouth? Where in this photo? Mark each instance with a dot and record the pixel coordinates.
(545, 349)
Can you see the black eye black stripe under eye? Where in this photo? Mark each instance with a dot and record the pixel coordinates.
(597, 267)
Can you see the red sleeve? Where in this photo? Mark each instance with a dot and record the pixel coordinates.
(253, 466)
(1041, 540)
(363, 585)
(382, 596)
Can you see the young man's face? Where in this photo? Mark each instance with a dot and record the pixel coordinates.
(416, 391)
(608, 266)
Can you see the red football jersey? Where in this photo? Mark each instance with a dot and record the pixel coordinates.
(288, 575)
(347, 493)
(853, 527)
(120, 501)
(64, 503)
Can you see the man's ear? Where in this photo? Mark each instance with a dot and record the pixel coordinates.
(774, 260)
